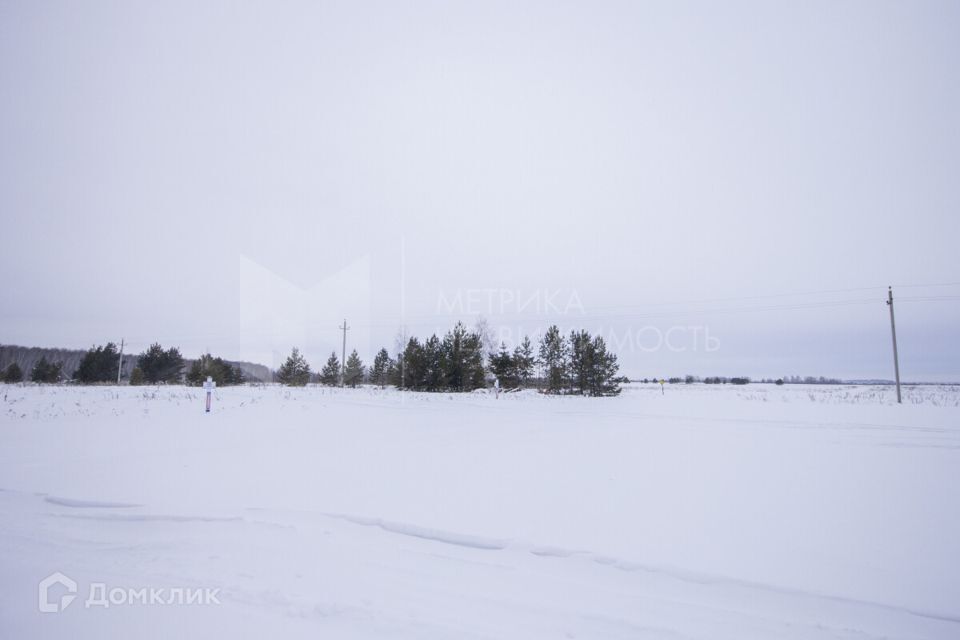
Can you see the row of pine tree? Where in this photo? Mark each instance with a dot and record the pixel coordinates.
(578, 363)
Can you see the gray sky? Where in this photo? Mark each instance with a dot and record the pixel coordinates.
(242, 176)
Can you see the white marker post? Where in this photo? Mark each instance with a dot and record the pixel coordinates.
(209, 386)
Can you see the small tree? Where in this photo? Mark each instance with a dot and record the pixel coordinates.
(330, 374)
(353, 373)
(46, 372)
(603, 374)
(581, 364)
(381, 369)
(523, 362)
(503, 366)
(136, 377)
(435, 365)
(553, 356)
(13, 374)
(412, 373)
(295, 372)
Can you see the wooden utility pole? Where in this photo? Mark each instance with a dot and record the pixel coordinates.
(893, 331)
(120, 365)
(343, 361)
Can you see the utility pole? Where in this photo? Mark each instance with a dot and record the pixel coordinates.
(893, 331)
(343, 360)
(120, 365)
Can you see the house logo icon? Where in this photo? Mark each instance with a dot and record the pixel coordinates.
(48, 583)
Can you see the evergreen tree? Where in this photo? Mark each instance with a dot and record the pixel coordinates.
(581, 364)
(330, 374)
(13, 374)
(456, 363)
(453, 353)
(222, 372)
(602, 379)
(45, 372)
(99, 364)
(353, 373)
(161, 366)
(398, 370)
(504, 367)
(413, 370)
(197, 373)
(295, 372)
(463, 359)
(474, 371)
(434, 365)
(393, 372)
(523, 362)
(381, 370)
(553, 355)
(136, 377)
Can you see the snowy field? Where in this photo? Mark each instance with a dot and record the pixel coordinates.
(708, 512)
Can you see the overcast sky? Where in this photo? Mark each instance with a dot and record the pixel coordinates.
(241, 177)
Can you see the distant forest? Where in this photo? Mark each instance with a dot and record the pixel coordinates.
(27, 358)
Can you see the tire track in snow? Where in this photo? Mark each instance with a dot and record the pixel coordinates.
(690, 577)
(89, 504)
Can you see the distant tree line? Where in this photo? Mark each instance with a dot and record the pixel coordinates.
(101, 364)
(57, 365)
(43, 371)
(725, 380)
(810, 380)
(689, 379)
(577, 363)
(574, 364)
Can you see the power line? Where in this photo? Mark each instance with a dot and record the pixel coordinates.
(427, 320)
(645, 305)
(929, 298)
(660, 315)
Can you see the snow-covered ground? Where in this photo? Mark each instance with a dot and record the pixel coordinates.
(707, 512)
